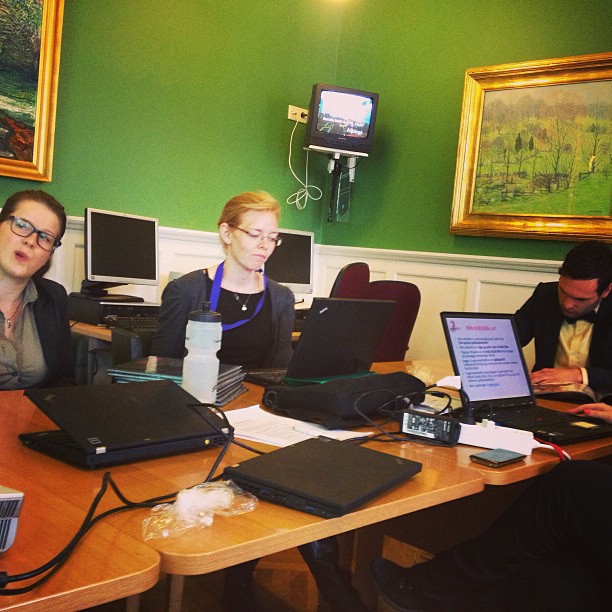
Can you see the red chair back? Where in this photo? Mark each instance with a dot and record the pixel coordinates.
(397, 335)
(352, 281)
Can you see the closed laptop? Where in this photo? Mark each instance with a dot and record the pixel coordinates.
(321, 476)
(102, 425)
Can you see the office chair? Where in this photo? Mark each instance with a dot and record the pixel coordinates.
(407, 296)
(352, 281)
(128, 344)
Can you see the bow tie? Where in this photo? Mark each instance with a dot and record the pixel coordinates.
(589, 316)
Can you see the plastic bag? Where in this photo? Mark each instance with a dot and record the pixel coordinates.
(196, 507)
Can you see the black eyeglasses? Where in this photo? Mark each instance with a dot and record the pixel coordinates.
(256, 234)
(22, 227)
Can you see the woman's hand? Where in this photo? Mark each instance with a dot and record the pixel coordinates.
(599, 411)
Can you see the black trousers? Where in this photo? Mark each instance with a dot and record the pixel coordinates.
(551, 550)
(321, 556)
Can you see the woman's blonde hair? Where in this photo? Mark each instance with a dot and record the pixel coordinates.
(238, 206)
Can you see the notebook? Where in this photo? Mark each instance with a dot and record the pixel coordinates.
(321, 476)
(487, 355)
(102, 425)
(340, 338)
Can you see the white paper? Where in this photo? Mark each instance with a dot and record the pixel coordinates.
(257, 425)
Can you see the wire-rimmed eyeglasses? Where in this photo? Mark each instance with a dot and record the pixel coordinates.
(256, 234)
(22, 227)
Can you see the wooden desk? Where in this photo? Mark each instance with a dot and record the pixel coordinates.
(540, 461)
(49, 483)
(108, 564)
(99, 332)
(447, 475)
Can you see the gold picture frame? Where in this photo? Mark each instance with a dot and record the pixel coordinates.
(535, 150)
(28, 108)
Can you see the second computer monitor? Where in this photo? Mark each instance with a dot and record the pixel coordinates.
(291, 263)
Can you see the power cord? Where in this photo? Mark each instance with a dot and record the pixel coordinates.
(53, 565)
(300, 198)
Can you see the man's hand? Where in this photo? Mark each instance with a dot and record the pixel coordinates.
(598, 411)
(556, 376)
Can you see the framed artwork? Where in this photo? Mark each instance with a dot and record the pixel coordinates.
(535, 150)
(30, 41)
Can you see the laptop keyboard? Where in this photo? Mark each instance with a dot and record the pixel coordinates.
(533, 418)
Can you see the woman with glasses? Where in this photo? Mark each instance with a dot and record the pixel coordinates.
(257, 313)
(257, 317)
(35, 345)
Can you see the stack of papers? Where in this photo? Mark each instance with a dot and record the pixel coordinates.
(229, 384)
(257, 425)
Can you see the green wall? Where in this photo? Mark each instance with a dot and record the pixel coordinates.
(170, 107)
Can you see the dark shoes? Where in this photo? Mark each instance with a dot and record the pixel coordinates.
(391, 581)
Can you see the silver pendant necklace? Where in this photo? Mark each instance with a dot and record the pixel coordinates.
(244, 306)
(9, 320)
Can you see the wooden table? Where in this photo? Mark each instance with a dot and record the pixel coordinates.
(108, 564)
(126, 565)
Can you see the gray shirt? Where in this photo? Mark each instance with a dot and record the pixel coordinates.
(21, 359)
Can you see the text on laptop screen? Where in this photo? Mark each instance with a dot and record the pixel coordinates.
(488, 358)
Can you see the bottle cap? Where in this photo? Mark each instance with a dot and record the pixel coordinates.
(206, 315)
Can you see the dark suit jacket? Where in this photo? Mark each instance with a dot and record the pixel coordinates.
(541, 318)
(51, 316)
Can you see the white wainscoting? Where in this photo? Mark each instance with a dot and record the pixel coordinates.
(447, 281)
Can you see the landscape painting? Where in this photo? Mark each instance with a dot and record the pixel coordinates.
(535, 151)
(30, 38)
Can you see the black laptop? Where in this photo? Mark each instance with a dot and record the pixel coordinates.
(103, 425)
(339, 339)
(321, 476)
(487, 355)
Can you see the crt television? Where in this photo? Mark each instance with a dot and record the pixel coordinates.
(291, 263)
(120, 249)
(341, 120)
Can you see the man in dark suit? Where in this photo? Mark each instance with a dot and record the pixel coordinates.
(571, 320)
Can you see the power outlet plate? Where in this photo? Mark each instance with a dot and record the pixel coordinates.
(297, 114)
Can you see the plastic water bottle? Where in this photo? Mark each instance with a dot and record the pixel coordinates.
(201, 365)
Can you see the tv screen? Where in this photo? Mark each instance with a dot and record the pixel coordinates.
(120, 249)
(341, 120)
(291, 263)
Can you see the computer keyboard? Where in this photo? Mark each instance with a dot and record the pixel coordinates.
(531, 419)
(137, 322)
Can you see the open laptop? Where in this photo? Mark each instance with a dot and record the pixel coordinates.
(340, 338)
(321, 476)
(487, 355)
(102, 425)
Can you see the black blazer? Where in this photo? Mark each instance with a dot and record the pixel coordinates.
(541, 318)
(51, 317)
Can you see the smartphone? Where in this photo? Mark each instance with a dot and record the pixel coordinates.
(496, 457)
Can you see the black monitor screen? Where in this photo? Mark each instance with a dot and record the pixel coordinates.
(120, 248)
(291, 263)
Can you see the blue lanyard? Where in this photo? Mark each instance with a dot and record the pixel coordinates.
(215, 292)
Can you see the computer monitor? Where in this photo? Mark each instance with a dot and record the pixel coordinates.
(341, 119)
(120, 249)
(291, 263)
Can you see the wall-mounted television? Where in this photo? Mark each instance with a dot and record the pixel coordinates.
(341, 120)
(291, 263)
(120, 249)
